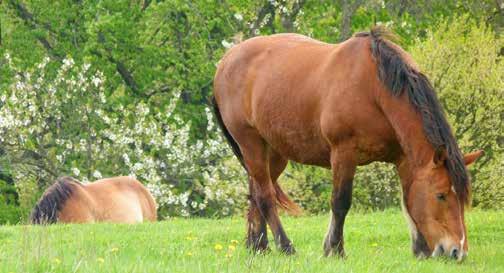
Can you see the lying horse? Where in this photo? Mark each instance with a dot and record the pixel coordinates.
(118, 200)
(289, 97)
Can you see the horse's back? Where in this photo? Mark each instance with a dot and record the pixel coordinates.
(79, 207)
(301, 95)
(122, 199)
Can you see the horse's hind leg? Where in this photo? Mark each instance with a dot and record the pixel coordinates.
(343, 168)
(257, 238)
(256, 154)
(257, 235)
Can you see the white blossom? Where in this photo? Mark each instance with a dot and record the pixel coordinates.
(238, 16)
(227, 44)
(97, 174)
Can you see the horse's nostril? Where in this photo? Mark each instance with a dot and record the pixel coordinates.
(454, 253)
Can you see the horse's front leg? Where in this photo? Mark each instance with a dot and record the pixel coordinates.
(343, 168)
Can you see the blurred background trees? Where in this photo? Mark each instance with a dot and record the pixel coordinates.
(121, 87)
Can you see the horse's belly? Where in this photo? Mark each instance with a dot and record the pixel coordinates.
(295, 141)
(371, 149)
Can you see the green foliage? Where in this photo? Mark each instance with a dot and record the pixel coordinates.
(310, 187)
(10, 212)
(462, 59)
(149, 52)
(375, 187)
(29, 192)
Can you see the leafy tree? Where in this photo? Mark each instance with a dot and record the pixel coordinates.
(159, 57)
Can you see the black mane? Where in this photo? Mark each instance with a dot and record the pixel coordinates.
(399, 77)
(52, 201)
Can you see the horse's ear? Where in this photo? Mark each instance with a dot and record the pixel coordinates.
(471, 157)
(440, 156)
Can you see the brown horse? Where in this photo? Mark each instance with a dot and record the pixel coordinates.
(118, 200)
(289, 97)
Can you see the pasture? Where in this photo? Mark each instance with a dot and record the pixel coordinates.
(375, 242)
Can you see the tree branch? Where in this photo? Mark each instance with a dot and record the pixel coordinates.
(349, 7)
(29, 20)
(266, 9)
(289, 19)
(146, 4)
(121, 68)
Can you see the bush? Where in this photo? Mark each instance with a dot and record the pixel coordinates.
(375, 187)
(310, 187)
(10, 211)
(461, 57)
(11, 214)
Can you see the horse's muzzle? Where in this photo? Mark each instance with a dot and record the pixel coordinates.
(455, 252)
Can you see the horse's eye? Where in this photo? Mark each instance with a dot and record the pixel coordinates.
(441, 197)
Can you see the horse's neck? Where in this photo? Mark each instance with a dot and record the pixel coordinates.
(417, 151)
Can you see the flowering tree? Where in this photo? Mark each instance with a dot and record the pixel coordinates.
(65, 124)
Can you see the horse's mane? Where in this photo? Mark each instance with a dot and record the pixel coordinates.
(399, 77)
(52, 201)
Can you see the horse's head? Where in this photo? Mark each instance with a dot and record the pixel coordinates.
(435, 210)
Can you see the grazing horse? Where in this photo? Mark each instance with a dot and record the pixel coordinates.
(289, 97)
(117, 200)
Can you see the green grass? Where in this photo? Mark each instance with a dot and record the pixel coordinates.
(375, 242)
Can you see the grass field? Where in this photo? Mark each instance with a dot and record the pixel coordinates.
(375, 242)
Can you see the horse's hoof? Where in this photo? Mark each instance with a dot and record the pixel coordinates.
(258, 248)
(334, 252)
(288, 250)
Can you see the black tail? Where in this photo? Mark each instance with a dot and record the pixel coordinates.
(229, 137)
(52, 201)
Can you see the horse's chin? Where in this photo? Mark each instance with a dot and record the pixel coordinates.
(420, 248)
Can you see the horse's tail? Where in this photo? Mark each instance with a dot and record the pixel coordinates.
(227, 135)
(283, 201)
(52, 201)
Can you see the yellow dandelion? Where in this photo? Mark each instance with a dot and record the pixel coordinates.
(114, 250)
(218, 247)
(231, 247)
(234, 242)
(56, 261)
(100, 260)
(189, 253)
